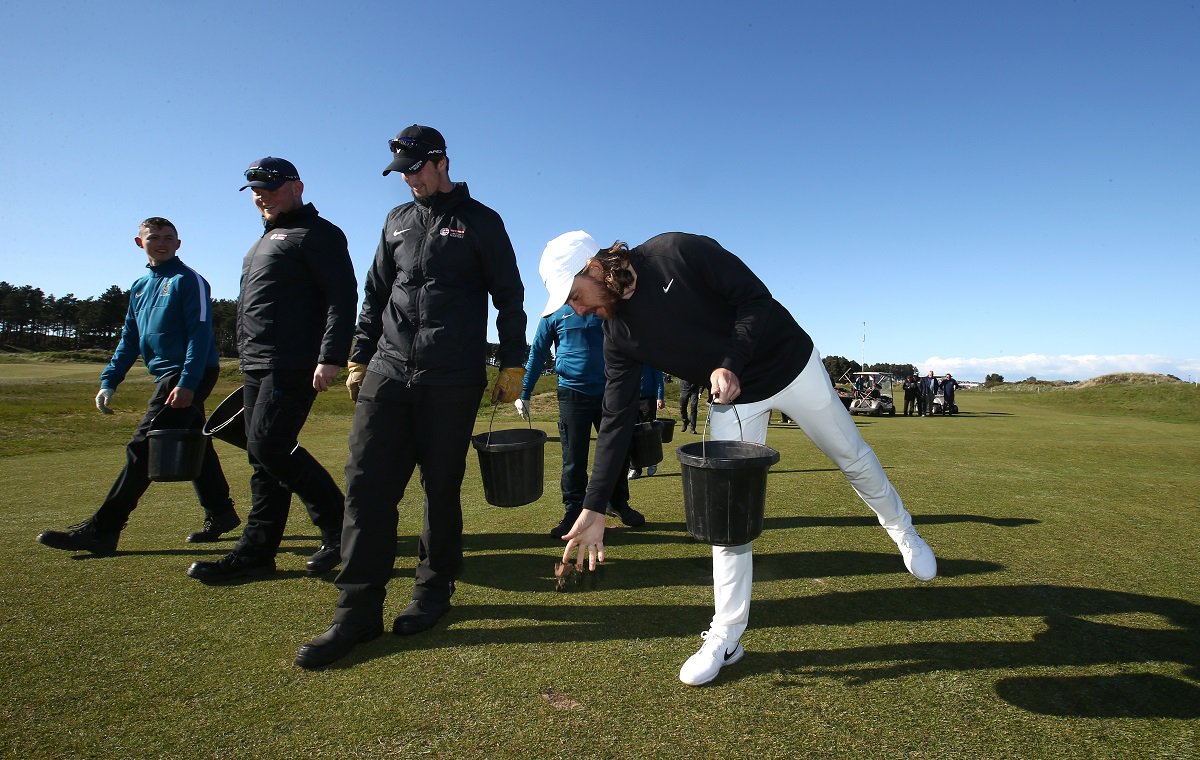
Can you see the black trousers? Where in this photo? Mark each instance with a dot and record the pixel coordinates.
(276, 404)
(211, 487)
(688, 400)
(396, 429)
(578, 415)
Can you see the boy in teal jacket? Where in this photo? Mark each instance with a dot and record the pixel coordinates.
(168, 324)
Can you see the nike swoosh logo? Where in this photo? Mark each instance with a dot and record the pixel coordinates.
(398, 233)
(669, 284)
(729, 654)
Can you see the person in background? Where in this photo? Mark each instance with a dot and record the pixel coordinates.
(929, 389)
(948, 386)
(912, 394)
(689, 399)
(650, 399)
(295, 320)
(756, 359)
(417, 375)
(578, 344)
(169, 325)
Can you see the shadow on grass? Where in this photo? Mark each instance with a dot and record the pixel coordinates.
(526, 573)
(1067, 641)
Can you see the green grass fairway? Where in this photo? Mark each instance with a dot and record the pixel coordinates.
(1065, 622)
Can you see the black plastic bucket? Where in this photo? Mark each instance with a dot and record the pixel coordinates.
(725, 489)
(176, 453)
(226, 422)
(646, 448)
(666, 429)
(513, 465)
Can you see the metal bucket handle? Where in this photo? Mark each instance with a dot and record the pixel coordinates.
(492, 422)
(707, 417)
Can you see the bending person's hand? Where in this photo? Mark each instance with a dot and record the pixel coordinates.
(586, 538)
(725, 386)
(522, 408)
(103, 399)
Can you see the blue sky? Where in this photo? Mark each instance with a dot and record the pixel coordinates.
(970, 187)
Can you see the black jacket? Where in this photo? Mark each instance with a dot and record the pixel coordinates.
(425, 302)
(697, 307)
(298, 293)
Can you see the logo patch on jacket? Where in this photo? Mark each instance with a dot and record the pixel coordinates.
(166, 291)
(451, 232)
(279, 236)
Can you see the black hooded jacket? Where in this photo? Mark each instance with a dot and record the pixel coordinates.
(424, 311)
(298, 293)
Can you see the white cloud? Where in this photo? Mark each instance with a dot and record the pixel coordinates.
(1060, 367)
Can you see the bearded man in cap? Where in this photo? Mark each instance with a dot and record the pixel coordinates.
(295, 319)
(417, 373)
(696, 311)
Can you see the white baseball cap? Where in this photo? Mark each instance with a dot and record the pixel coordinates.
(564, 257)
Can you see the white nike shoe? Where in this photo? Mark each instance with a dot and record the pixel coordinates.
(918, 557)
(714, 654)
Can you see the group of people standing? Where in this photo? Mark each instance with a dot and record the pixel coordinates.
(921, 393)
(415, 361)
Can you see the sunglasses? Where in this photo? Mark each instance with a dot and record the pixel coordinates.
(259, 174)
(399, 145)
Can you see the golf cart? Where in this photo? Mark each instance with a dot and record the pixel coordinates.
(939, 404)
(872, 394)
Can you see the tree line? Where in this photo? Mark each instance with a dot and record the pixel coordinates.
(32, 320)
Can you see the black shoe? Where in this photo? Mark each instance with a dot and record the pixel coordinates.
(80, 538)
(214, 527)
(232, 566)
(570, 515)
(628, 515)
(334, 644)
(420, 615)
(325, 558)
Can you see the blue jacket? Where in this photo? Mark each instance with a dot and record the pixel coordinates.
(168, 323)
(652, 383)
(578, 356)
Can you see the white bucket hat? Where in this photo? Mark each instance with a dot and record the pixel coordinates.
(564, 257)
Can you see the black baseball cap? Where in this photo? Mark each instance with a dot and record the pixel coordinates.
(269, 173)
(413, 147)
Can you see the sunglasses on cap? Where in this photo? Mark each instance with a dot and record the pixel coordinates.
(399, 145)
(259, 174)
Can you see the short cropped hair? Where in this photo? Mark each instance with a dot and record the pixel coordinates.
(153, 222)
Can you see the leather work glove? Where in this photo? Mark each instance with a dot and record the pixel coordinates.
(102, 400)
(522, 408)
(355, 375)
(508, 384)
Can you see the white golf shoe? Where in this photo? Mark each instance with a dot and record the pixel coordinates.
(918, 557)
(714, 654)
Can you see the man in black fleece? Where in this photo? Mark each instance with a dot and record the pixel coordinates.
(295, 319)
(693, 309)
(417, 374)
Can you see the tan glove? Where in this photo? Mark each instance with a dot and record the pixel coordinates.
(508, 384)
(355, 374)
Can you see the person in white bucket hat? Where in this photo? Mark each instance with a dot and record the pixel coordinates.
(696, 311)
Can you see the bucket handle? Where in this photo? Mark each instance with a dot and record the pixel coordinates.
(707, 417)
(492, 421)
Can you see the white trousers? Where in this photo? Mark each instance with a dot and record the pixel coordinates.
(812, 402)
